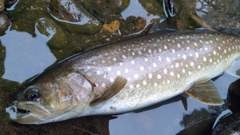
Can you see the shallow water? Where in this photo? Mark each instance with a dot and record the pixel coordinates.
(26, 55)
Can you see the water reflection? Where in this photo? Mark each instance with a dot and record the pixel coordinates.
(25, 53)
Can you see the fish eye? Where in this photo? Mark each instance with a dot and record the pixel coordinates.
(32, 93)
(33, 96)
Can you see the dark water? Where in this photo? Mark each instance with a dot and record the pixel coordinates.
(26, 55)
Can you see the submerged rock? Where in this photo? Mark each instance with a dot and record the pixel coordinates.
(132, 25)
(9, 3)
(57, 38)
(2, 6)
(112, 27)
(73, 17)
(4, 23)
(106, 10)
(229, 124)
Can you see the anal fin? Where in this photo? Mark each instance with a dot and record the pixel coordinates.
(116, 87)
(204, 91)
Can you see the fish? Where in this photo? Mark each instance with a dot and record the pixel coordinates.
(127, 75)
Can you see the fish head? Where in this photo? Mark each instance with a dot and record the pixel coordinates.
(50, 97)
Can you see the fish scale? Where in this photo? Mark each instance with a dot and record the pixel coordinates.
(136, 73)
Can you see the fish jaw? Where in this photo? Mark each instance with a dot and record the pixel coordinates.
(40, 115)
(26, 112)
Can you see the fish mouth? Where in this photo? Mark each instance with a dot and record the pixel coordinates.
(27, 112)
(22, 111)
(15, 112)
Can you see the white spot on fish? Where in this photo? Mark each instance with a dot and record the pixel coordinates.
(118, 72)
(177, 65)
(111, 79)
(210, 60)
(154, 65)
(141, 68)
(159, 76)
(149, 50)
(145, 59)
(190, 73)
(103, 84)
(109, 68)
(139, 52)
(204, 59)
(171, 73)
(155, 84)
(179, 46)
(114, 59)
(144, 82)
(183, 70)
(98, 72)
(165, 71)
(159, 58)
(133, 62)
(160, 50)
(124, 57)
(138, 85)
(184, 56)
(131, 86)
(135, 76)
(178, 76)
(168, 59)
(165, 47)
(126, 70)
(196, 54)
(214, 52)
(150, 76)
(192, 64)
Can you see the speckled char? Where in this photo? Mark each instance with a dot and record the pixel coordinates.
(157, 67)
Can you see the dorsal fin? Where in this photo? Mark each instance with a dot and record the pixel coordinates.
(204, 91)
(117, 86)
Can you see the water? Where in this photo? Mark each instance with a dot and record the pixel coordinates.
(28, 55)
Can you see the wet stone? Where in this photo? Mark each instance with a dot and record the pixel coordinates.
(4, 23)
(2, 6)
(9, 3)
(57, 38)
(106, 10)
(112, 27)
(73, 17)
(152, 6)
(132, 25)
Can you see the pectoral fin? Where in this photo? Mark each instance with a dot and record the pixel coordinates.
(117, 86)
(205, 92)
